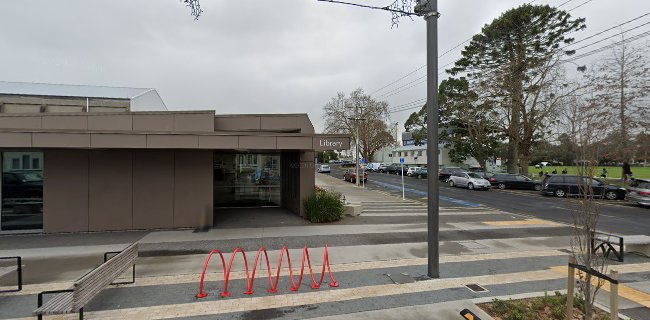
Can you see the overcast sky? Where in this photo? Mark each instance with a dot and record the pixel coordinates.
(249, 56)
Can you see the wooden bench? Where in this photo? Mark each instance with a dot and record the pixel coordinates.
(617, 245)
(89, 285)
(4, 271)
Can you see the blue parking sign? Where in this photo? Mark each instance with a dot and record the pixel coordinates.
(363, 160)
(401, 160)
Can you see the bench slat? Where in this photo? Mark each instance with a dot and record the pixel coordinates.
(6, 270)
(95, 281)
(59, 304)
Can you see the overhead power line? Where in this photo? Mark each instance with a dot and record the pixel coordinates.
(608, 29)
(603, 48)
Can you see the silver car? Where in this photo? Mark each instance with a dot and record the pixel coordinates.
(323, 168)
(469, 180)
(639, 192)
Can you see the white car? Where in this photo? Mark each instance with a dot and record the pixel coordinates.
(411, 171)
(469, 180)
(323, 168)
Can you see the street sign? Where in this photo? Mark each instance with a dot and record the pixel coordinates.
(401, 160)
(363, 160)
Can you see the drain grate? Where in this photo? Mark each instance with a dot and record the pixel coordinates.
(476, 288)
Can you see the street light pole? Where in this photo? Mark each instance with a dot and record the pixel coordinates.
(429, 9)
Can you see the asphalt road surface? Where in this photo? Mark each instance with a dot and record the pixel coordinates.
(615, 216)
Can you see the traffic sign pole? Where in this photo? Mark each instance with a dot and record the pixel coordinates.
(401, 161)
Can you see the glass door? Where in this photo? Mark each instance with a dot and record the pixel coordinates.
(246, 179)
(22, 191)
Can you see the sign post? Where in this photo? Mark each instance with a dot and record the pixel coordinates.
(363, 173)
(401, 161)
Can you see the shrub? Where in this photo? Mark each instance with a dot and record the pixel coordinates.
(324, 206)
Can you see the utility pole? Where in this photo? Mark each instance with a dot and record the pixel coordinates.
(429, 9)
(356, 120)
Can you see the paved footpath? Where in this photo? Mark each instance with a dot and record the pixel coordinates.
(378, 259)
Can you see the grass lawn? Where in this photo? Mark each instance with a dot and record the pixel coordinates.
(612, 172)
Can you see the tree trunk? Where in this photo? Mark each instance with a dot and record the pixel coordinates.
(623, 145)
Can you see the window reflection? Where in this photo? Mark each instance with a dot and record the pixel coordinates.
(22, 191)
(247, 179)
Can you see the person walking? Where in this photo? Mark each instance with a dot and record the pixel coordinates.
(554, 171)
(564, 171)
(604, 173)
(627, 172)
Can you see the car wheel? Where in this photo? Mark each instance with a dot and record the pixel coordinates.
(538, 187)
(560, 193)
(502, 186)
(451, 183)
(611, 195)
(470, 186)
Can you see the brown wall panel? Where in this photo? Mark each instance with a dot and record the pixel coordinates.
(115, 140)
(257, 142)
(192, 187)
(294, 143)
(111, 190)
(15, 140)
(170, 141)
(17, 122)
(65, 192)
(79, 122)
(287, 122)
(153, 189)
(61, 140)
(153, 122)
(237, 123)
(110, 122)
(194, 122)
(218, 142)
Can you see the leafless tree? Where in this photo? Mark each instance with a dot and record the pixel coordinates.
(586, 211)
(342, 115)
(621, 83)
(195, 7)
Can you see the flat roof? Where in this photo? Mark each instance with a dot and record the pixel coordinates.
(70, 90)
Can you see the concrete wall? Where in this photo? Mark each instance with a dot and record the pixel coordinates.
(96, 190)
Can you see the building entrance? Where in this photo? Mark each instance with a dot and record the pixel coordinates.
(246, 179)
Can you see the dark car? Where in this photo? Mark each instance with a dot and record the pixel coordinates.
(514, 181)
(394, 169)
(567, 185)
(351, 175)
(444, 174)
(420, 173)
(22, 184)
(383, 168)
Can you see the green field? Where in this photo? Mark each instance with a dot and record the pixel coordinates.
(612, 172)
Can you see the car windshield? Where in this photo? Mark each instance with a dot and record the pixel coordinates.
(32, 177)
(474, 175)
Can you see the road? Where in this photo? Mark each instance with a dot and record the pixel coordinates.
(615, 216)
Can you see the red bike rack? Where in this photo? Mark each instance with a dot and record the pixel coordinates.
(250, 278)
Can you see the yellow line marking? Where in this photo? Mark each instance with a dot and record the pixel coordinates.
(624, 291)
(520, 222)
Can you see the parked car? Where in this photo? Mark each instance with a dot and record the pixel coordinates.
(420, 173)
(394, 169)
(374, 166)
(411, 170)
(323, 168)
(639, 192)
(470, 180)
(563, 185)
(382, 168)
(351, 175)
(444, 174)
(514, 181)
(347, 164)
(22, 184)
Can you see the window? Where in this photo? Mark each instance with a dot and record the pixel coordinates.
(26, 161)
(22, 191)
(15, 164)
(420, 153)
(36, 163)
